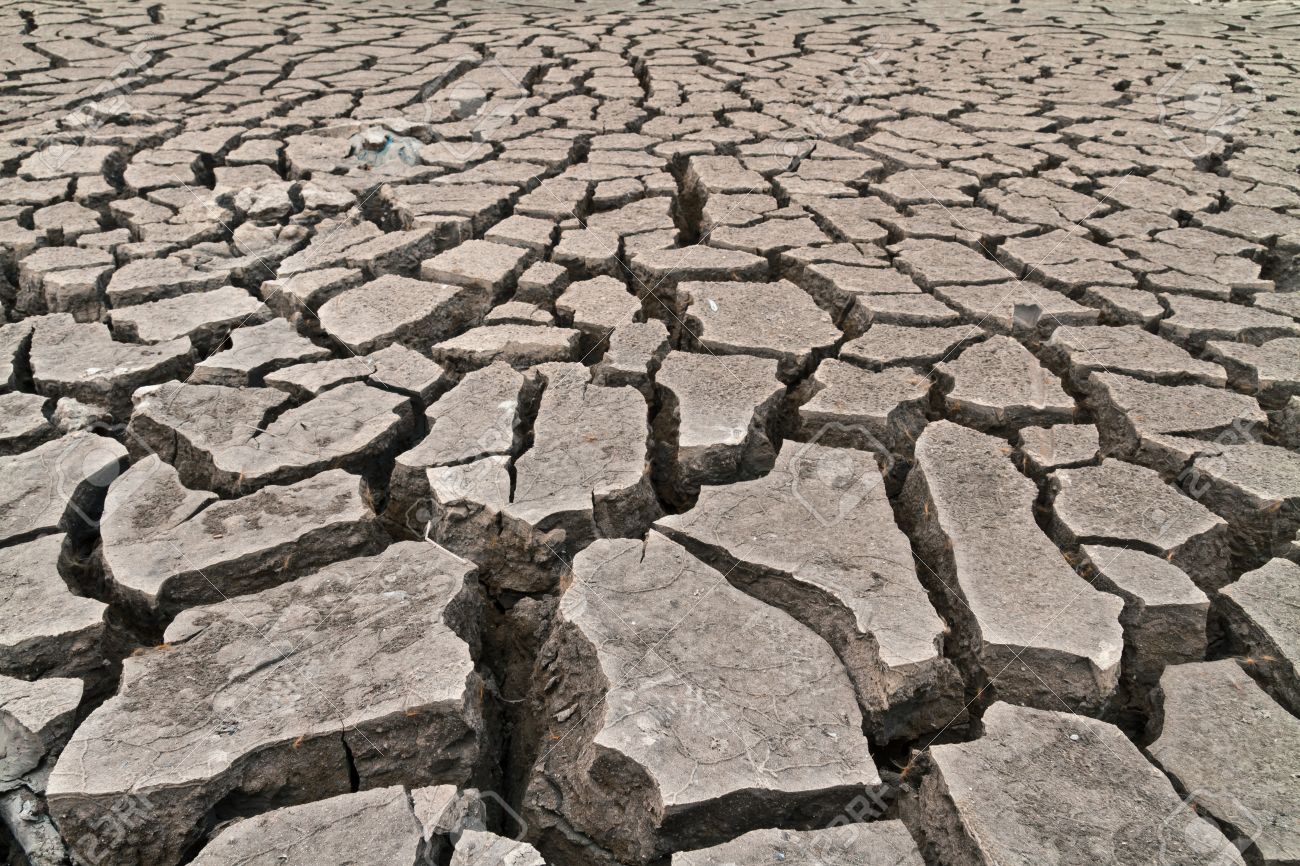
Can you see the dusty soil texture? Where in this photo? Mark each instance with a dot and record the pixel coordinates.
(652, 433)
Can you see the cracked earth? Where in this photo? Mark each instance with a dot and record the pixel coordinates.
(658, 433)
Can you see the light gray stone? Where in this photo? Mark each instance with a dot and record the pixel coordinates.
(527, 232)
(918, 311)
(1121, 306)
(589, 252)
(462, 511)
(519, 313)
(768, 237)
(855, 296)
(1065, 260)
(38, 266)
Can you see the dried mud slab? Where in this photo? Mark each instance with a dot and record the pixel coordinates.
(587, 473)
(717, 419)
(882, 412)
(1260, 611)
(48, 631)
(1041, 786)
(1255, 487)
(254, 351)
(1234, 751)
(816, 537)
(635, 708)
(59, 486)
(70, 359)
(376, 826)
(37, 718)
(1165, 612)
(742, 318)
(998, 386)
(1157, 425)
(899, 345)
(1124, 504)
(1061, 446)
(1031, 625)
(1131, 351)
(364, 667)
(482, 416)
(167, 547)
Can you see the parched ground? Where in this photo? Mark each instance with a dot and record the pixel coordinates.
(653, 433)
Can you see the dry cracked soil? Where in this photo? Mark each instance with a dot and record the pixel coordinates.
(653, 433)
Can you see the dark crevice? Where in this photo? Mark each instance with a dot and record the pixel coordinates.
(354, 777)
